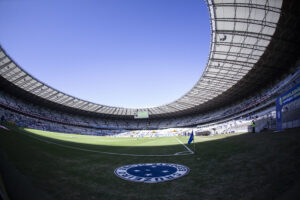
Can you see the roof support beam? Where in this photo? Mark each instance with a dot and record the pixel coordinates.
(6, 64)
(244, 34)
(247, 5)
(3, 58)
(20, 78)
(9, 70)
(248, 21)
(30, 85)
(52, 95)
(13, 75)
(240, 45)
(69, 101)
(36, 88)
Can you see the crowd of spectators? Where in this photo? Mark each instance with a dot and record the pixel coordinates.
(29, 115)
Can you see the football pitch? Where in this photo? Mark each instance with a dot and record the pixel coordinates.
(127, 146)
(48, 165)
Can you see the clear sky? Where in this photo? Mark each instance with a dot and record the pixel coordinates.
(128, 53)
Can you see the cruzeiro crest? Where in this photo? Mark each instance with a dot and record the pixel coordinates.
(151, 172)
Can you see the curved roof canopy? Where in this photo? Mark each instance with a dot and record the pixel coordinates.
(241, 31)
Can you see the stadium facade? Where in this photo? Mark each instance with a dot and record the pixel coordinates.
(254, 57)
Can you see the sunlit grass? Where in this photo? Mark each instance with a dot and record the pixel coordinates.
(123, 141)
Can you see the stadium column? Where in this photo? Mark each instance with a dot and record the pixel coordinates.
(278, 114)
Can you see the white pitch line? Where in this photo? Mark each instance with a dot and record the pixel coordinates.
(183, 153)
(185, 146)
(104, 152)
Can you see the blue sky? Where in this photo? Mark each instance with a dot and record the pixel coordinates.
(128, 53)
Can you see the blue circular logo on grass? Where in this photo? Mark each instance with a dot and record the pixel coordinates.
(151, 172)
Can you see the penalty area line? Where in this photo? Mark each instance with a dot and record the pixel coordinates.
(185, 146)
(103, 152)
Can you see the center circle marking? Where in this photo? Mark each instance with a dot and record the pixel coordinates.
(151, 172)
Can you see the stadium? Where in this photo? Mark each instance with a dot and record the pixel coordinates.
(236, 130)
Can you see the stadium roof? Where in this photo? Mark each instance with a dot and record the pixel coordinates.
(247, 38)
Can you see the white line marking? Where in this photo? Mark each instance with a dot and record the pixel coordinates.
(183, 153)
(104, 152)
(185, 146)
(4, 127)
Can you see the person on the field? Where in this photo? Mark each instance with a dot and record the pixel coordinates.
(253, 126)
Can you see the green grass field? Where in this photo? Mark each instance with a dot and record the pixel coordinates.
(46, 165)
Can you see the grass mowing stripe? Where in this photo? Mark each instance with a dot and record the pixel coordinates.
(103, 140)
